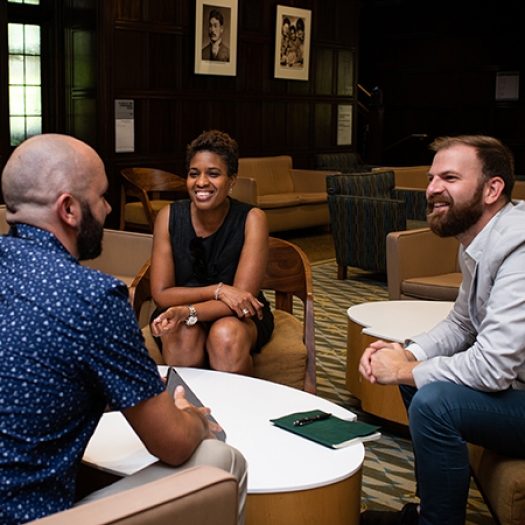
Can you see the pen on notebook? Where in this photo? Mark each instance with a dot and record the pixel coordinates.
(307, 420)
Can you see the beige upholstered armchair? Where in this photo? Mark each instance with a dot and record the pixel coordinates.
(202, 495)
(501, 481)
(123, 254)
(421, 265)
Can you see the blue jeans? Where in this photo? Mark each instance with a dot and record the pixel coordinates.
(443, 417)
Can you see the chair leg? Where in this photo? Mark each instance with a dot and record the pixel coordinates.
(341, 272)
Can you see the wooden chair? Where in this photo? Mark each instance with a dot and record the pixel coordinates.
(139, 183)
(289, 357)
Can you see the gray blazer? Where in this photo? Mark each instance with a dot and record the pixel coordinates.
(481, 344)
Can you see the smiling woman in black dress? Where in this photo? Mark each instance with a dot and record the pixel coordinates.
(209, 258)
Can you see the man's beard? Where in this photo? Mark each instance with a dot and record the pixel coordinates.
(89, 238)
(458, 218)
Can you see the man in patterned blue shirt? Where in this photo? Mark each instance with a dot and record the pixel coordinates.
(69, 341)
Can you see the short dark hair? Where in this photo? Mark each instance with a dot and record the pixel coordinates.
(496, 159)
(219, 143)
(215, 13)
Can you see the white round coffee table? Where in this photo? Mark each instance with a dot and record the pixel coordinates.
(391, 321)
(290, 479)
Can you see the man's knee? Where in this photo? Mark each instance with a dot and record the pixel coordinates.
(433, 401)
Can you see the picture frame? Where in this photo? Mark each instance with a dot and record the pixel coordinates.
(292, 43)
(216, 37)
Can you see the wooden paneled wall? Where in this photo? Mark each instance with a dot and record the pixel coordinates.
(146, 53)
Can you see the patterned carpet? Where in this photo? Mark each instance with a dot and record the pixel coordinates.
(388, 479)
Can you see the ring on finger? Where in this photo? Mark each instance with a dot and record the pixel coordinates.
(246, 311)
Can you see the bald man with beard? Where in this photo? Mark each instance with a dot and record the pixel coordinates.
(70, 345)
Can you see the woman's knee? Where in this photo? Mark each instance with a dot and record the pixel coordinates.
(184, 349)
(228, 335)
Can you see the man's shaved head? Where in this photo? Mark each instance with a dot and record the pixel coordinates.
(41, 169)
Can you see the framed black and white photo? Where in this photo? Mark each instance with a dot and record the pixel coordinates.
(216, 37)
(292, 43)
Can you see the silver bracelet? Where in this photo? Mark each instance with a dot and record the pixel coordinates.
(217, 291)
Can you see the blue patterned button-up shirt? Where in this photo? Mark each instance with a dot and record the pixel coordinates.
(69, 346)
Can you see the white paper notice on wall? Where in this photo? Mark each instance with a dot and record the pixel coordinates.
(344, 125)
(124, 126)
(507, 85)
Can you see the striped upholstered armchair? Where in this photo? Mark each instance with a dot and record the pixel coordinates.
(364, 209)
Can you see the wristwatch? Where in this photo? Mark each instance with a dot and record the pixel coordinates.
(192, 318)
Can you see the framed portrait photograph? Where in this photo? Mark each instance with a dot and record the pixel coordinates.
(216, 37)
(292, 42)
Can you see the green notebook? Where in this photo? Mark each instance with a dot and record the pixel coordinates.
(331, 432)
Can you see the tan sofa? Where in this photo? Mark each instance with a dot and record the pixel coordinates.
(415, 177)
(202, 495)
(409, 177)
(291, 198)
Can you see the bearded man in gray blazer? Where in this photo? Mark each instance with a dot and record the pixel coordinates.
(464, 381)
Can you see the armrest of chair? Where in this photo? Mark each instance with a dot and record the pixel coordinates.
(310, 181)
(140, 291)
(309, 335)
(418, 253)
(245, 190)
(201, 495)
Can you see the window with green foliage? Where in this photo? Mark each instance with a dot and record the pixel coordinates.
(25, 80)
(30, 2)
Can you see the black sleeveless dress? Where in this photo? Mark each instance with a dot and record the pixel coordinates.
(214, 259)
